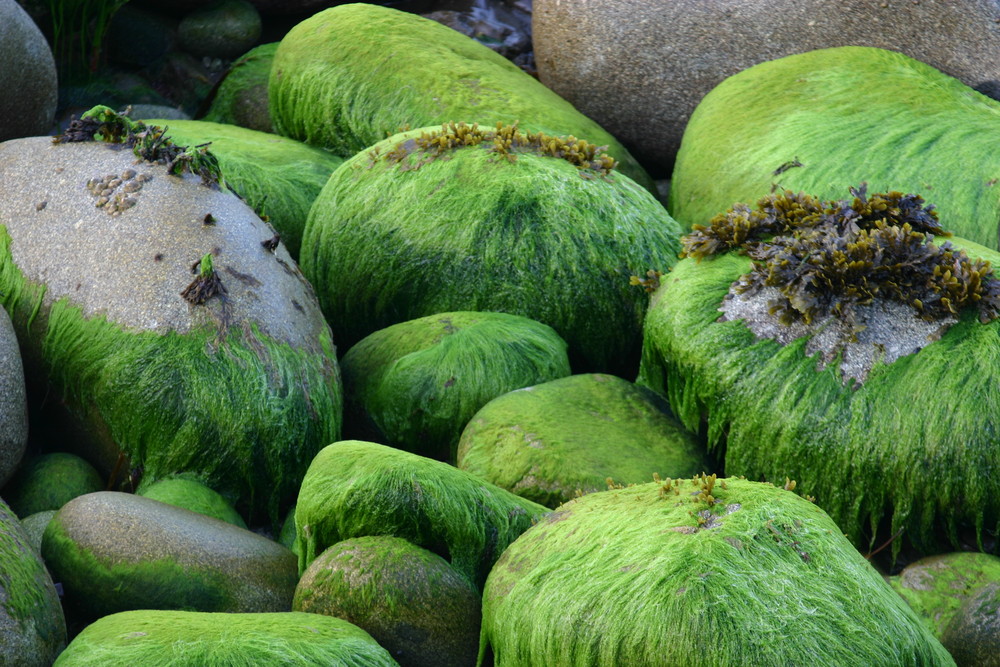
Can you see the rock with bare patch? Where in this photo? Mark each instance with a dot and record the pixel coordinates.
(13, 405)
(117, 551)
(410, 600)
(180, 333)
(27, 75)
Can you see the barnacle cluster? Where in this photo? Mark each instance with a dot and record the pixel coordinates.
(506, 141)
(148, 142)
(825, 257)
(116, 193)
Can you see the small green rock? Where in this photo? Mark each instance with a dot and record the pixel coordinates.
(241, 97)
(49, 481)
(193, 495)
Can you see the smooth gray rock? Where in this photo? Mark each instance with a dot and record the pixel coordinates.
(639, 67)
(224, 29)
(27, 75)
(13, 405)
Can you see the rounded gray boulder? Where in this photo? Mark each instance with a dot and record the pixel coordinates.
(13, 405)
(27, 75)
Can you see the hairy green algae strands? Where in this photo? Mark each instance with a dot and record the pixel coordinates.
(241, 389)
(555, 440)
(278, 177)
(351, 75)
(32, 625)
(460, 217)
(416, 384)
(914, 445)
(281, 639)
(192, 495)
(829, 119)
(695, 573)
(355, 488)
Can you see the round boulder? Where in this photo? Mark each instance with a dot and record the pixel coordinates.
(49, 481)
(13, 402)
(411, 601)
(241, 96)
(639, 67)
(27, 76)
(224, 29)
(193, 495)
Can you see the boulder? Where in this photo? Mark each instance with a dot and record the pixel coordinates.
(223, 29)
(13, 401)
(292, 639)
(34, 526)
(640, 67)
(27, 75)
(349, 76)
(695, 572)
(32, 625)
(192, 495)
(49, 481)
(162, 311)
(554, 441)
(411, 601)
(464, 218)
(415, 385)
(241, 96)
(117, 552)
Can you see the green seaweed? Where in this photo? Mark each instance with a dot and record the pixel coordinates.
(241, 97)
(747, 574)
(192, 495)
(49, 481)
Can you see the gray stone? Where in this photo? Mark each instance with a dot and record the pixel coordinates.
(13, 406)
(639, 67)
(34, 527)
(32, 625)
(27, 75)
(225, 29)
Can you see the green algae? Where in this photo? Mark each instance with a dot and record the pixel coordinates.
(241, 411)
(416, 384)
(756, 576)
(278, 177)
(49, 481)
(477, 232)
(241, 97)
(410, 600)
(355, 489)
(192, 495)
(834, 118)
(349, 76)
(911, 447)
(288, 639)
(553, 441)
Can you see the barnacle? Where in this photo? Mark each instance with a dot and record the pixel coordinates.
(825, 257)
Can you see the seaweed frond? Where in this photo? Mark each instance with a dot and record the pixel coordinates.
(206, 283)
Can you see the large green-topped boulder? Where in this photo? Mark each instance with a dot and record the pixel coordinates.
(553, 441)
(415, 385)
(829, 119)
(278, 177)
(460, 217)
(348, 76)
(355, 489)
(157, 307)
(695, 572)
(281, 639)
(854, 356)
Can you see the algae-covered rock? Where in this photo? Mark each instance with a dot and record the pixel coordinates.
(158, 637)
(192, 495)
(822, 121)
(692, 572)
(278, 177)
(410, 600)
(550, 442)
(13, 405)
(347, 77)
(49, 481)
(914, 443)
(34, 526)
(286, 536)
(158, 309)
(117, 552)
(32, 625)
(241, 96)
(973, 636)
(416, 384)
(356, 489)
(463, 218)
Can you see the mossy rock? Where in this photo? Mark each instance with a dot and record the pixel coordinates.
(823, 121)
(49, 481)
(34, 526)
(118, 552)
(13, 402)
(278, 177)
(416, 384)
(400, 232)
(241, 97)
(410, 600)
(357, 489)
(192, 495)
(240, 388)
(349, 76)
(739, 573)
(973, 636)
(286, 536)
(914, 445)
(553, 441)
(32, 625)
(157, 637)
